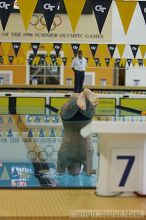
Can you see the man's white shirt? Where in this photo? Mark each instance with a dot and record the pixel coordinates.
(79, 64)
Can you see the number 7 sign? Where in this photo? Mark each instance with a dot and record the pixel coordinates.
(125, 169)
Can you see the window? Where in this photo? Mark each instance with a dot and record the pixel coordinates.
(43, 73)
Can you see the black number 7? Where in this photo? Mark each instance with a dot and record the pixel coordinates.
(129, 165)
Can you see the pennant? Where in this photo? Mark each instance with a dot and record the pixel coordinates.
(129, 61)
(49, 8)
(1, 60)
(74, 9)
(96, 61)
(93, 48)
(35, 47)
(126, 11)
(64, 60)
(57, 47)
(107, 60)
(42, 60)
(75, 48)
(5, 11)
(111, 48)
(117, 62)
(53, 59)
(16, 47)
(26, 8)
(140, 62)
(101, 9)
(142, 5)
(134, 49)
(121, 48)
(11, 59)
(142, 49)
(30, 60)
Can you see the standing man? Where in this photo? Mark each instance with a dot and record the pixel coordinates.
(79, 65)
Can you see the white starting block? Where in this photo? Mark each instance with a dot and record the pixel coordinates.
(122, 162)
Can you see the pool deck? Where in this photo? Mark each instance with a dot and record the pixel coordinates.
(66, 204)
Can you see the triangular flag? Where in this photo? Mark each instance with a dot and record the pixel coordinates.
(142, 5)
(75, 48)
(26, 8)
(5, 11)
(126, 11)
(74, 9)
(101, 9)
(142, 50)
(134, 49)
(57, 47)
(16, 47)
(140, 62)
(64, 60)
(93, 48)
(30, 60)
(121, 48)
(96, 61)
(111, 48)
(42, 60)
(49, 8)
(129, 61)
(35, 47)
(117, 62)
(107, 60)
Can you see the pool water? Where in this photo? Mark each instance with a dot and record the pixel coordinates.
(21, 175)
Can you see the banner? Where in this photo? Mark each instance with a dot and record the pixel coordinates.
(74, 9)
(60, 32)
(11, 59)
(26, 8)
(5, 11)
(107, 60)
(134, 49)
(101, 9)
(57, 47)
(49, 8)
(121, 48)
(140, 62)
(117, 62)
(126, 10)
(129, 61)
(16, 47)
(35, 47)
(64, 60)
(93, 48)
(97, 62)
(111, 48)
(75, 48)
(142, 50)
(142, 5)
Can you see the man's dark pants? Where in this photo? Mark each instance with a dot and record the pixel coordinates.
(79, 79)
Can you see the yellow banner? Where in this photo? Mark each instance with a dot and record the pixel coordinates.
(74, 9)
(126, 10)
(26, 8)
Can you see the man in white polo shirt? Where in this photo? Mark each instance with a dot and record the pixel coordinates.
(79, 65)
